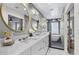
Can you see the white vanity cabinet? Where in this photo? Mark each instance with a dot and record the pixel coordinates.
(25, 52)
(37, 48)
(40, 48)
(46, 44)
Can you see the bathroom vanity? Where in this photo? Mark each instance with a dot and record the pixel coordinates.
(20, 22)
(36, 45)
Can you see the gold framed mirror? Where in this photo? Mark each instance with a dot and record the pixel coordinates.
(13, 14)
(34, 21)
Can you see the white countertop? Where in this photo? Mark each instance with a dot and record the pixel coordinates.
(19, 47)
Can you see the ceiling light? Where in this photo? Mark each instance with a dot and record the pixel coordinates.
(24, 8)
(33, 11)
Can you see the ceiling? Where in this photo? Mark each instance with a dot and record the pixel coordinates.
(18, 7)
(50, 10)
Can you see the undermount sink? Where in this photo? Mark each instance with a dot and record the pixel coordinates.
(35, 36)
(29, 39)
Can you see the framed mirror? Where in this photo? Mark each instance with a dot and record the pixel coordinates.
(13, 16)
(35, 20)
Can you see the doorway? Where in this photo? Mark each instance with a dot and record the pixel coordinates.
(55, 39)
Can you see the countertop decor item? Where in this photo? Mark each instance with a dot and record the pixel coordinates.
(7, 39)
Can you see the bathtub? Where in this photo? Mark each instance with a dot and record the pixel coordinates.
(55, 37)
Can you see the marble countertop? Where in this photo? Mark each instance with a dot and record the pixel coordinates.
(20, 46)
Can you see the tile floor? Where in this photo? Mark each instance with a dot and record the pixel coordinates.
(53, 51)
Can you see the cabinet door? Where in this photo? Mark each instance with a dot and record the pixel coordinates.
(37, 49)
(26, 52)
(46, 44)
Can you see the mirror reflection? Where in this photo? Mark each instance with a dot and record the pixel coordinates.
(15, 23)
(14, 15)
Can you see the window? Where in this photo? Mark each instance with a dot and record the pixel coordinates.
(55, 27)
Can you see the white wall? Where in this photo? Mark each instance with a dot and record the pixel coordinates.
(65, 32)
(3, 28)
(67, 8)
(61, 26)
(72, 12)
(76, 25)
